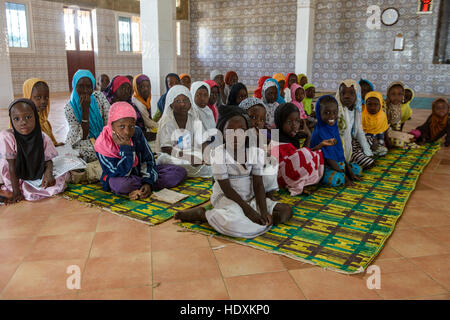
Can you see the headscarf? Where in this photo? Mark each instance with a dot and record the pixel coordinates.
(438, 124)
(95, 118)
(270, 107)
(105, 144)
(168, 115)
(406, 107)
(184, 75)
(205, 114)
(162, 100)
(281, 114)
(30, 159)
(372, 88)
(258, 91)
(279, 77)
(136, 81)
(214, 74)
(43, 115)
(298, 104)
(110, 90)
(374, 123)
(393, 112)
(300, 76)
(323, 131)
(280, 99)
(287, 79)
(307, 102)
(213, 106)
(232, 97)
(228, 77)
(358, 103)
(250, 102)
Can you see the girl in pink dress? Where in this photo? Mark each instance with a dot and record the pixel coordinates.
(26, 153)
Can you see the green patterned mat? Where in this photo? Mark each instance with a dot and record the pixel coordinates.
(149, 211)
(344, 229)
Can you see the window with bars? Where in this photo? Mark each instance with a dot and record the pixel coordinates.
(78, 29)
(129, 33)
(17, 24)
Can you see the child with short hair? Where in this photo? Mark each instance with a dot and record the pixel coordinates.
(291, 78)
(298, 166)
(126, 159)
(37, 90)
(241, 208)
(338, 171)
(356, 147)
(374, 122)
(26, 153)
(437, 124)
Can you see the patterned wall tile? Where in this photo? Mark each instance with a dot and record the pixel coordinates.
(345, 48)
(252, 37)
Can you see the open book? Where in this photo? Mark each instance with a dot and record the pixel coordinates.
(61, 165)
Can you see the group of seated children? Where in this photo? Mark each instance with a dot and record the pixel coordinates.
(251, 146)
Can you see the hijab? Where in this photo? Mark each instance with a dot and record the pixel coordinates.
(307, 102)
(250, 102)
(258, 91)
(406, 107)
(343, 121)
(232, 97)
(281, 114)
(205, 114)
(168, 115)
(300, 76)
(95, 118)
(184, 75)
(374, 123)
(43, 115)
(105, 144)
(136, 81)
(438, 124)
(30, 159)
(214, 74)
(228, 77)
(213, 106)
(280, 99)
(110, 90)
(323, 131)
(279, 77)
(298, 104)
(162, 100)
(287, 79)
(372, 88)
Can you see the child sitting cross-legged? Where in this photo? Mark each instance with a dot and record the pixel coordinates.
(374, 122)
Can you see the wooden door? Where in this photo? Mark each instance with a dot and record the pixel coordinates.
(79, 41)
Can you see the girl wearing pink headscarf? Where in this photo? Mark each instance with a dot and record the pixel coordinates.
(297, 95)
(127, 161)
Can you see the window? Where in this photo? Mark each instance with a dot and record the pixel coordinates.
(129, 34)
(17, 21)
(178, 39)
(77, 25)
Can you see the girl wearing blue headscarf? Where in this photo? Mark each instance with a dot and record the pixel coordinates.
(337, 170)
(366, 87)
(272, 99)
(86, 113)
(171, 80)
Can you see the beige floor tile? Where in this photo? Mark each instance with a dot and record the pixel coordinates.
(202, 289)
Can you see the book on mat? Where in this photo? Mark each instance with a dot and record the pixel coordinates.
(169, 196)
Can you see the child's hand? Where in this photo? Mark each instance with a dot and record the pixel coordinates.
(121, 141)
(145, 191)
(348, 182)
(254, 216)
(48, 181)
(328, 142)
(59, 144)
(269, 220)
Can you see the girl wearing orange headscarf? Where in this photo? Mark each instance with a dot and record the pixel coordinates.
(37, 91)
(281, 82)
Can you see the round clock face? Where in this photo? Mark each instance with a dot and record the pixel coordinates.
(389, 16)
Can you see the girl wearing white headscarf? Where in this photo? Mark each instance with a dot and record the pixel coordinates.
(356, 147)
(176, 145)
(205, 114)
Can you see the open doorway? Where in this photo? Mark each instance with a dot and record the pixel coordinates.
(79, 41)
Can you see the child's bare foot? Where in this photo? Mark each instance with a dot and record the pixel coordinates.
(191, 215)
(6, 194)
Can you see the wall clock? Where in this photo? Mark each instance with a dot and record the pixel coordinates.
(390, 16)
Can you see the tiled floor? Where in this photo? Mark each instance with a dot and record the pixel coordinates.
(123, 259)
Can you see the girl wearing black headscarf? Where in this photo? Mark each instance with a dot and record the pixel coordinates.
(25, 154)
(238, 93)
